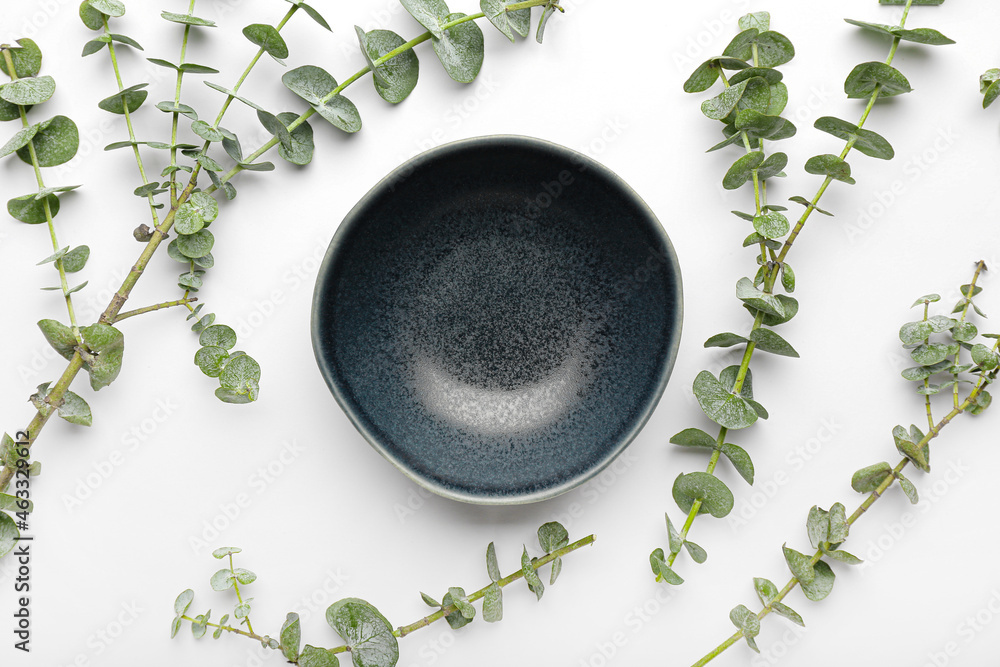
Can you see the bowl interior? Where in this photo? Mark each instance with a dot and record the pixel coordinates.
(498, 318)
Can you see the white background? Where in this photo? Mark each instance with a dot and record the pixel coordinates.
(114, 544)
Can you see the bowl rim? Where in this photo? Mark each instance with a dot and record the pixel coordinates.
(352, 220)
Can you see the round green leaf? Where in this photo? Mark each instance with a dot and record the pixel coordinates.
(774, 49)
(211, 360)
(309, 82)
(30, 210)
(396, 78)
(768, 341)
(703, 77)
(113, 8)
(187, 221)
(27, 59)
(461, 49)
(76, 259)
(552, 536)
(187, 19)
(740, 460)
(429, 13)
(301, 139)
(742, 170)
(510, 22)
(721, 405)
(291, 636)
(21, 139)
(34, 90)
(822, 583)
(240, 376)
(223, 580)
(317, 657)
(366, 632)
(91, 18)
(771, 225)
(716, 498)
(196, 245)
(832, 166)
(218, 335)
(864, 78)
(870, 143)
(723, 104)
(55, 143)
(868, 479)
(130, 98)
(267, 38)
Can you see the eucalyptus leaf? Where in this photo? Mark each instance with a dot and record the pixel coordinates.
(716, 498)
(493, 604)
(870, 478)
(721, 405)
(55, 143)
(772, 166)
(27, 58)
(461, 49)
(211, 360)
(725, 102)
(809, 205)
(784, 610)
(317, 657)
(742, 170)
(698, 554)
(268, 39)
(365, 631)
(800, 565)
(769, 341)
(771, 225)
(301, 138)
(866, 77)
(832, 166)
(506, 22)
(531, 576)
(129, 99)
(187, 19)
(552, 536)
(870, 143)
(396, 78)
(107, 347)
(240, 378)
(766, 590)
(218, 335)
(31, 210)
(747, 622)
(277, 129)
(196, 245)
(23, 92)
(818, 526)
(9, 534)
(113, 8)
(821, 584)
(839, 527)
(662, 570)
(703, 77)
(740, 460)
(774, 49)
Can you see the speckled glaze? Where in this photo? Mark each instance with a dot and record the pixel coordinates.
(498, 318)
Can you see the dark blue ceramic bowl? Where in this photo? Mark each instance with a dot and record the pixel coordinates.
(498, 317)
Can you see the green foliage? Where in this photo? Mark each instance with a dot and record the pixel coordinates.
(396, 77)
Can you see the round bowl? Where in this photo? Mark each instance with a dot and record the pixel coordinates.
(498, 318)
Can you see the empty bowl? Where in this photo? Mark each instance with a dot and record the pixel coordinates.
(498, 318)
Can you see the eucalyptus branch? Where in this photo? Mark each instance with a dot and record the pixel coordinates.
(828, 530)
(99, 347)
(159, 306)
(750, 107)
(366, 632)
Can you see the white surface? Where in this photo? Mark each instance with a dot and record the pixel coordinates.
(324, 516)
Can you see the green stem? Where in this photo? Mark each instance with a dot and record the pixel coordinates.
(403, 48)
(149, 309)
(175, 116)
(50, 223)
(984, 380)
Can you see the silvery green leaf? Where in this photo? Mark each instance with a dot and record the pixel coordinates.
(456, 619)
(789, 613)
(20, 139)
(716, 498)
(183, 601)
(759, 300)
(206, 131)
(822, 583)
(870, 478)
(428, 13)
(725, 102)
(771, 76)
(963, 332)
(91, 18)
(30, 210)
(244, 576)
(429, 601)
(742, 170)
(240, 378)
(107, 346)
(130, 99)
(365, 631)
(493, 604)
(309, 82)
(75, 410)
(27, 58)
(756, 97)
(531, 576)
(23, 92)
(726, 340)
(277, 129)
(984, 357)
(832, 166)
(507, 22)
(291, 636)
(843, 556)
(697, 554)
(929, 354)
(910, 449)
(461, 49)
(302, 141)
(112, 8)
(196, 245)
(703, 77)
(914, 333)
(199, 626)
(662, 570)
(223, 580)
(870, 143)
(759, 20)
(461, 602)
(774, 49)
(556, 569)
(768, 341)
(492, 566)
(800, 565)
(211, 360)
(268, 39)
(232, 94)
(543, 22)
(693, 437)
(187, 19)
(9, 534)
(771, 225)
(773, 166)
(839, 528)
(747, 622)
(187, 221)
(317, 657)
(864, 78)
(243, 610)
(741, 46)
(928, 36)
(341, 113)
(990, 94)
(59, 336)
(218, 335)
(818, 526)
(766, 590)
(552, 536)
(396, 78)
(59, 254)
(674, 538)
(740, 460)
(720, 405)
